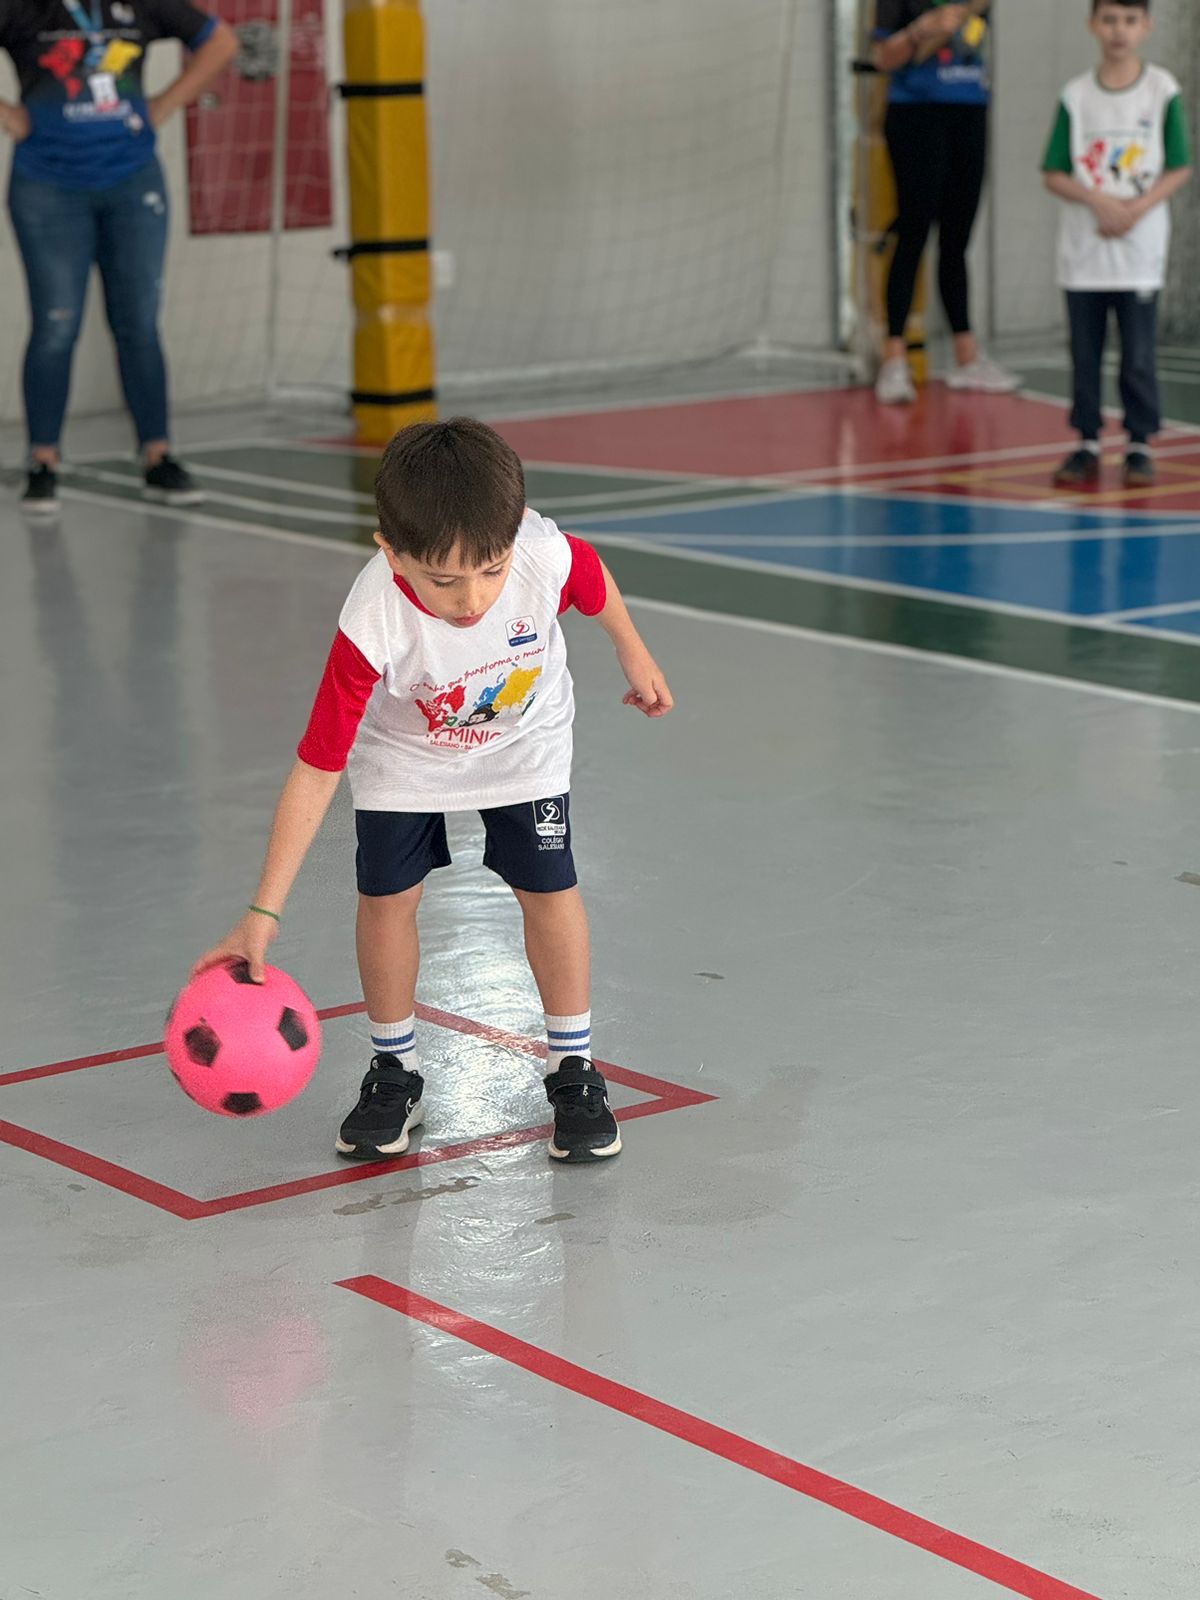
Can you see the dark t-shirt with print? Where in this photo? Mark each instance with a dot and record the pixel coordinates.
(956, 75)
(80, 67)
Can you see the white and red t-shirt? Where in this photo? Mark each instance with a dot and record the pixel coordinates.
(430, 717)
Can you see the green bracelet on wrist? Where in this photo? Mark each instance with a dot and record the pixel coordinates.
(263, 912)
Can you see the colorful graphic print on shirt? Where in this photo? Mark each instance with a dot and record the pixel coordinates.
(445, 707)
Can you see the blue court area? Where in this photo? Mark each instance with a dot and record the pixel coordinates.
(1063, 562)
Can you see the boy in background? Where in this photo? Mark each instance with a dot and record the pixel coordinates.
(1118, 154)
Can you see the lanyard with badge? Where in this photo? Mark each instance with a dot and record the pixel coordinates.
(91, 24)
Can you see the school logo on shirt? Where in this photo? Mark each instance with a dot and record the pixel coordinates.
(522, 631)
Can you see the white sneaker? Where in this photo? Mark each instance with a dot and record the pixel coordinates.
(894, 385)
(983, 375)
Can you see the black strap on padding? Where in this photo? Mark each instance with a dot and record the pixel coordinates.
(379, 91)
(382, 247)
(401, 397)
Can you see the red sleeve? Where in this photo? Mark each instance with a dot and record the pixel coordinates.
(337, 711)
(585, 588)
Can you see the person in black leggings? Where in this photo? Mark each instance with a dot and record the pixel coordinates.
(937, 135)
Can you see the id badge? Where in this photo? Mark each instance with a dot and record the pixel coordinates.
(104, 91)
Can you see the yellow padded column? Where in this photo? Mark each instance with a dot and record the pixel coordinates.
(388, 159)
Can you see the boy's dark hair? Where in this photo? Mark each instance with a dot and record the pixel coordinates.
(1132, 5)
(443, 485)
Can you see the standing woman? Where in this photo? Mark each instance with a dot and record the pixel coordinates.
(936, 55)
(87, 188)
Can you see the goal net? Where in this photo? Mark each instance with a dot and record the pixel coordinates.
(617, 184)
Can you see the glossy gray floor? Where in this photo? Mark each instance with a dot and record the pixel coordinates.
(918, 928)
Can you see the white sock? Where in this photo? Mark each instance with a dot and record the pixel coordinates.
(397, 1039)
(567, 1036)
(1090, 444)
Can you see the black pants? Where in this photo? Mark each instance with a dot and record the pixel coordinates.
(939, 156)
(1137, 321)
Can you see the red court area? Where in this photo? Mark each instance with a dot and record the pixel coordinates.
(661, 1096)
(991, 447)
(816, 431)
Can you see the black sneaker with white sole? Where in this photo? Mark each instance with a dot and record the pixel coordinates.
(584, 1127)
(388, 1108)
(41, 491)
(170, 481)
(1139, 470)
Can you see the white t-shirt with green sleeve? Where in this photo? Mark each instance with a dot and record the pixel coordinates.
(1118, 141)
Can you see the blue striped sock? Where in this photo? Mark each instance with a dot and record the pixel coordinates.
(567, 1036)
(397, 1039)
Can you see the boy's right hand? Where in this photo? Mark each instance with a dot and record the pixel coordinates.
(248, 941)
(1113, 217)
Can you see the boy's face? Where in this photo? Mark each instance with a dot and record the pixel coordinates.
(1121, 30)
(457, 592)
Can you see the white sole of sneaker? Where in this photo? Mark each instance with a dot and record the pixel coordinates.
(192, 497)
(593, 1155)
(396, 1148)
(983, 388)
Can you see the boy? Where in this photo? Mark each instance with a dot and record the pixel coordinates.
(447, 690)
(1119, 152)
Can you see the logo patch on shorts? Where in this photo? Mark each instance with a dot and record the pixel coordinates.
(550, 821)
(522, 630)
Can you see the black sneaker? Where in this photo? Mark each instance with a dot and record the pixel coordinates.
(41, 491)
(1081, 470)
(584, 1127)
(170, 481)
(388, 1107)
(1140, 472)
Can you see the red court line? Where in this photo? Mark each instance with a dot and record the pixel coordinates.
(833, 1492)
(665, 1097)
(106, 1172)
(79, 1063)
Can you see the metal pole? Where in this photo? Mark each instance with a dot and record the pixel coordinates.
(279, 175)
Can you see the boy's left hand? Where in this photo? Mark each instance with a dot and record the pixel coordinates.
(648, 691)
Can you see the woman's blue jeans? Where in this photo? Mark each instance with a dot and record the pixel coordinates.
(61, 233)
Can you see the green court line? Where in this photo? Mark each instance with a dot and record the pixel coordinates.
(1061, 649)
(1147, 663)
(1180, 401)
(558, 492)
(349, 528)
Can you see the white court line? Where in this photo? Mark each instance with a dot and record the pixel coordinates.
(251, 505)
(919, 541)
(358, 498)
(196, 515)
(324, 491)
(838, 580)
(880, 647)
(1137, 613)
(1057, 501)
(844, 580)
(902, 489)
(1170, 424)
(604, 407)
(1114, 517)
(567, 468)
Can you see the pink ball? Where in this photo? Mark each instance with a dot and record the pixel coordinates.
(240, 1048)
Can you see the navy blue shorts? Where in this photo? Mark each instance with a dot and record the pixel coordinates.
(528, 845)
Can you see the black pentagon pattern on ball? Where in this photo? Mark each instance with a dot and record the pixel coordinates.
(239, 971)
(242, 1105)
(201, 1044)
(292, 1030)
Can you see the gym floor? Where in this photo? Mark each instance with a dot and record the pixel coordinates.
(889, 1295)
